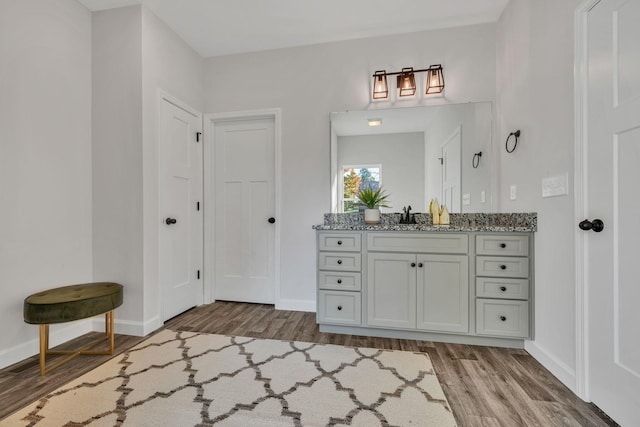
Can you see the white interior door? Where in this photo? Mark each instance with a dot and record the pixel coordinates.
(180, 200)
(451, 167)
(244, 178)
(613, 148)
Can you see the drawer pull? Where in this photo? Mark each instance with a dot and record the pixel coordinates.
(339, 281)
(503, 288)
(503, 267)
(413, 264)
(339, 242)
(503, 245)
(339, 308)
(503, 318)
(339, 261)
(420, 265)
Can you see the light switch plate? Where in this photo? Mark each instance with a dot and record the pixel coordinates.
(466, 199)
(483, 197)
(513, 192)
(555, 185)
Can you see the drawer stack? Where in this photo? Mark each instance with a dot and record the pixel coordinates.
(339, 278)
(502, 285)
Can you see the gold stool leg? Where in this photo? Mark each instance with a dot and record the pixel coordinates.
(44, 346)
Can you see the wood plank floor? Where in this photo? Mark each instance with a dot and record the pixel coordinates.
(486, 386)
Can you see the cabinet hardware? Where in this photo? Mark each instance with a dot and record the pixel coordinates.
(503, 245)
(503, 288)
(339, 261)
(339, 281)
(413, 264)
(420, 265)
(339, 308)
(503, 318)
(503, 267)
(339, 242)
(198, 135)
(170, 221)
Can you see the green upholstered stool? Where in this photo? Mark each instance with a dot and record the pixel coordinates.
(69, 303)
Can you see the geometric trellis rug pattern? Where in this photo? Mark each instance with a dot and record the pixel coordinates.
(196, 379)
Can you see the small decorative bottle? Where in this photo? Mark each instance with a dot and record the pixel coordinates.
(434, 210)
(444, 215)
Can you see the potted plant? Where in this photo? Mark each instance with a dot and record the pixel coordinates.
(373, 200)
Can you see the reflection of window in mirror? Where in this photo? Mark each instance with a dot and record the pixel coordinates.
(354, 179)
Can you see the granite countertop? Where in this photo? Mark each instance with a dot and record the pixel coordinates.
(505, 222)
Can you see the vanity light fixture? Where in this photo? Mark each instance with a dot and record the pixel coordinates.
(380, 86)
(435, 79)
(406, 81)
(374, 122)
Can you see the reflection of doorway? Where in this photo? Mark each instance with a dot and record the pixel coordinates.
(451, 165)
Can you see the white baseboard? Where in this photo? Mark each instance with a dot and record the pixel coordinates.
(296, 305)
(559, 369)
(129, 327)
(58, 334)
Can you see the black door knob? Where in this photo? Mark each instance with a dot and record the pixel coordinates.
(596, 225)
(170, 221)
(272, 220)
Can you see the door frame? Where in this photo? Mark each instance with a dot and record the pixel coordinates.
(210, 121)
(581, 157)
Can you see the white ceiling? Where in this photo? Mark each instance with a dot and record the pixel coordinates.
(223, 27)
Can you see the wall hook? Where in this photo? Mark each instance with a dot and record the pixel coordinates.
(476, 159)
(516, 134)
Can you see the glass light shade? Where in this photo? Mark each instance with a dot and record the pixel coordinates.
(435, 79)
(407, 82)
(380, 86)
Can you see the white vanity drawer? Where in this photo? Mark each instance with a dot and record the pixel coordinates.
(340, 242)
(502, 245)
(502, 318)
(493, 287)
(343, 281)
(438, 243)
(502, 266)
(339, 307)
(345, 261)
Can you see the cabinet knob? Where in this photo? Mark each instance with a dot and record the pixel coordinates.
(170, 221)
(420, 264)
(339, 261)
(503, 267)
(339, 308)
(503, 288)
(339, 242)
(503, 318)
(339, 281)
(413, 264)
(503, 245)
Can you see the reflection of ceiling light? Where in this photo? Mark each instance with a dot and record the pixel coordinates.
(375, 122)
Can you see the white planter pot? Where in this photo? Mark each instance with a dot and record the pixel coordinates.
(372, 216)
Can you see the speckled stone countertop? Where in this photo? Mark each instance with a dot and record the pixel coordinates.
(510, 222)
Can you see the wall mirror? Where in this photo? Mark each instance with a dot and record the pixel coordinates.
(415, 154)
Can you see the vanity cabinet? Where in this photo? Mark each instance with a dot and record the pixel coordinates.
(339, 278)
(502, 285)
(455, 286)
(425, 291)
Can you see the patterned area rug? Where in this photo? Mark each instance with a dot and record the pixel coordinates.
(194, 379)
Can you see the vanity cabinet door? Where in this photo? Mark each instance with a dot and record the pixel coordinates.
(443, 293)
(391, 290)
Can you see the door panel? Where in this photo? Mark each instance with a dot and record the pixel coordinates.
(613, 149)
(244, 153)
(180, 189)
